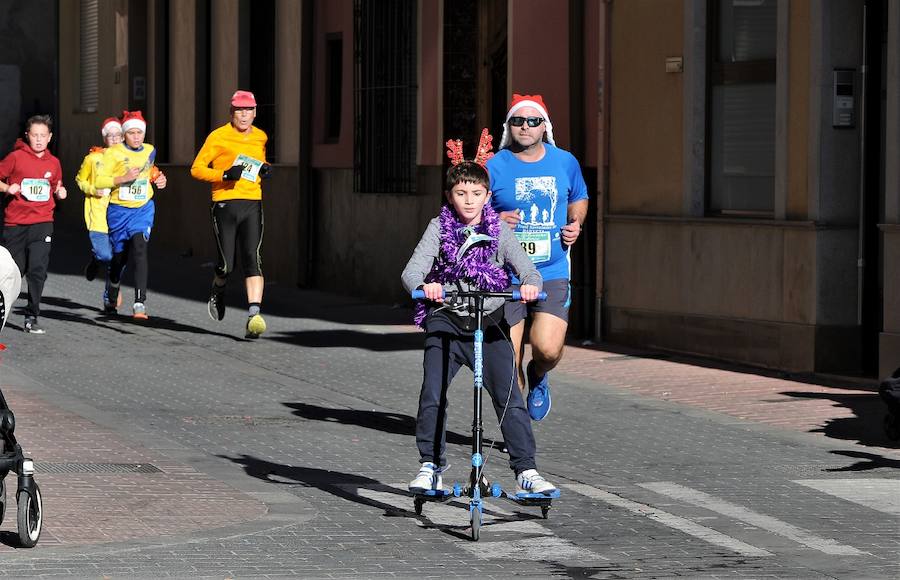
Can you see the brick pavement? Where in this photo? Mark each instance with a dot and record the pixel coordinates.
(847, 409)
(321, 410)
(108, 506)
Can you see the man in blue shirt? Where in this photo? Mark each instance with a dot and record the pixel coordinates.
(538, 189)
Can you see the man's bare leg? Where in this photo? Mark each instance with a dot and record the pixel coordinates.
(547, 338)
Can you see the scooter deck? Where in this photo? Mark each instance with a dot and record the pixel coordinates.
(432, 494)
(533, 499)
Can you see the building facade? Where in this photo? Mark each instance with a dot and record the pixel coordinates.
(743, 169)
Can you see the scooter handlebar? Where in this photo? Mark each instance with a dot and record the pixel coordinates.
(514, 295)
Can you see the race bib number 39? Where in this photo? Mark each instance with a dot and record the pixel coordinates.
(536, 245)
(36, 189)
(136, 191)
(251, 167)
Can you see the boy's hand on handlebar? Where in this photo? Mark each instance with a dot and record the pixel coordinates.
(434, 291)
(528, 292)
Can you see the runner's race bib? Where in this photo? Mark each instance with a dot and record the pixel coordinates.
(536, 245)
(36, 189)
(251, 167)
(136, 191)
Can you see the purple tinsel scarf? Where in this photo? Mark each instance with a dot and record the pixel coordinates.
(476, 266)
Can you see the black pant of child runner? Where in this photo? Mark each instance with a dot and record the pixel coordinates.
(445, 353)
(29, 246)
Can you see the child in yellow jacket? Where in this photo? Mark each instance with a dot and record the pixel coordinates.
(97, 200)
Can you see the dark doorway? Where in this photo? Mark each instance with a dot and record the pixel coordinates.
(875, 92)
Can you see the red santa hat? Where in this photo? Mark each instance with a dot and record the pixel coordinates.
(520, 101)
(133, 120)
(109, 124)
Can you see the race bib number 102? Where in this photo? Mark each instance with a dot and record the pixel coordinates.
(36, 189)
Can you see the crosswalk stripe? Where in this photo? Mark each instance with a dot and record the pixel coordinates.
(878, 494)
(774, 525)
(681, 524)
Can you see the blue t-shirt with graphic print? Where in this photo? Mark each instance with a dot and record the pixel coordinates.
(541, 192)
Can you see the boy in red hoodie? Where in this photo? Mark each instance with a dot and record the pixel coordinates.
(31, 178)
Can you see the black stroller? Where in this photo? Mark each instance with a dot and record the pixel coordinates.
(890, 394)
(28, 494)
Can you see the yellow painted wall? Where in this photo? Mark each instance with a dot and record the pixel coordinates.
(646, 108)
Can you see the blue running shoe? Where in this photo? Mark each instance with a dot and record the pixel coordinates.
(538, 394)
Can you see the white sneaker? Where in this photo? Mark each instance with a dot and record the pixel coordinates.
(530, 481)
(429, 477)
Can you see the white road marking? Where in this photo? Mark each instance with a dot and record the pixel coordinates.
(774, 525)
(681, 524)
(532, 541)
(879, 494)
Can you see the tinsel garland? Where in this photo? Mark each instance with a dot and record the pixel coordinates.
(476, 266)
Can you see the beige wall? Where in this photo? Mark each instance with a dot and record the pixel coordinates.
(646, 119)
(798, 112)
(538, 57)
(332, 17)
(364, 240)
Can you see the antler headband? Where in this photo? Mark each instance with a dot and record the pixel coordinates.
(482, 154)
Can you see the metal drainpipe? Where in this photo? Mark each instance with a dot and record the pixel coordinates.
(863, 91)
(603, 165)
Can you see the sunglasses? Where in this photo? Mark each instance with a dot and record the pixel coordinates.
(519, 121)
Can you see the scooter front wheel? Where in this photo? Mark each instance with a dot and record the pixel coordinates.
(476, 524)
(30, 516)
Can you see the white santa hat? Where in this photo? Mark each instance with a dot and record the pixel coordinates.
(520, 101)
(133, 120)
(109, 124)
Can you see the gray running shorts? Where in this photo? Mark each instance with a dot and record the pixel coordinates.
(559, 298)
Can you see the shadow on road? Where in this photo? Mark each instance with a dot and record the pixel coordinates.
(396, 423)
(115, 322)
(865, 427)
(869, 461)
(388, 342)
(343, 485)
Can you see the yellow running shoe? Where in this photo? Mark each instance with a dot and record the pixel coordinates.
(256, 325)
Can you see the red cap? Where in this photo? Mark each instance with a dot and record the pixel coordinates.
(243, 99)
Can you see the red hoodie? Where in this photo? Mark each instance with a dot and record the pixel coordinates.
(23, 164)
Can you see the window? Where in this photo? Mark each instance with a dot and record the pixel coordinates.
(742, 112)
(385, 96)
(89, 52)
(334, 71)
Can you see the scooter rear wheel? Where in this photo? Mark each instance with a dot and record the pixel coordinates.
(30, 517)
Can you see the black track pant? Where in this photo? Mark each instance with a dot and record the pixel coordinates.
(30, 248)
(136, 247)
(238, 227)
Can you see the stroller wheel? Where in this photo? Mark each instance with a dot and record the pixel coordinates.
(2, 499)
(30, 516)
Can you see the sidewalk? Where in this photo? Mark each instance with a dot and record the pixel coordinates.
(98, 488)
(846, 410)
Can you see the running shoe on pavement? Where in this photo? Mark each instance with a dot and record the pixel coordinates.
(32, 327)
(140, 311)
(538, 394)
(256, 325)
(216, 305)
(90, 271)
